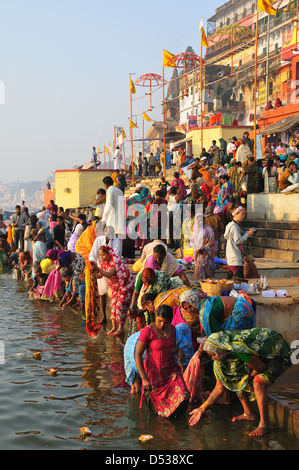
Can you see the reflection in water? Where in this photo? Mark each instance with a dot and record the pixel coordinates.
(39, 411)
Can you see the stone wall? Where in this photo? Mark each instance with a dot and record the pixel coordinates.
(78, 188)
(273, 207)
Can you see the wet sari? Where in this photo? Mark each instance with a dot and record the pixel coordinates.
(268, 345)
(168, 389)
(183, 341)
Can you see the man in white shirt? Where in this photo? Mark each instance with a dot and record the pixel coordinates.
(116, 158)
(114, 211)
(44, 215)
(230, 148)
(94, 158)
(108, 239)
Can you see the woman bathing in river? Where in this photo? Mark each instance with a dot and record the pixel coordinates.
(246, 362)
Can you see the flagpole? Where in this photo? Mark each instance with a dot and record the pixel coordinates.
(297, 14)
(131, 135)
(201, 96)
(164, 124)
(124, 156)
(232, 52)
(255, 83)
(104, 159)
(143, 147)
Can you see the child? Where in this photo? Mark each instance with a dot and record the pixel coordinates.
(39, 282)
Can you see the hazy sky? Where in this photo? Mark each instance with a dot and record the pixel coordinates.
(65, 66)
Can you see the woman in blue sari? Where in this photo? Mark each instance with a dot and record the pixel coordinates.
(226, 191)
(215, 314)
(41, 226)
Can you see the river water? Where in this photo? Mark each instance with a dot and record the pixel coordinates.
(43, 412)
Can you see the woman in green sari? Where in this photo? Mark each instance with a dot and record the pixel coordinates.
(246, 362)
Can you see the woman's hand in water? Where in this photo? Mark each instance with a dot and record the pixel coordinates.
(196, 415)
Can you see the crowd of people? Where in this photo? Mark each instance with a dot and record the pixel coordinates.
(108, 259)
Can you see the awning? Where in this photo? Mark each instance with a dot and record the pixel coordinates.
(283, 125)
(180, 142)
(174, 136)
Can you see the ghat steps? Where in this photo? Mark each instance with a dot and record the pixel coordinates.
(273, 240)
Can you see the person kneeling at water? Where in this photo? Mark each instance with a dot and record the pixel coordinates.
(163, 387)
(146, 317)
(246, 362)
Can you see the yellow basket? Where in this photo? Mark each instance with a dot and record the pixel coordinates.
(213, 290)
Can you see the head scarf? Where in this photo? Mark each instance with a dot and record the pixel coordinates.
(216, 342)
(54, 254)
(192, 297)
(65, 258)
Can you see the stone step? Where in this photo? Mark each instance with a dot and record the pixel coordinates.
(269, 253)
(274, 243)
(268, 233)
(271, 224)
(283, 255)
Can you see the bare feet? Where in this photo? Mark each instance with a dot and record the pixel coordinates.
(243, 417)
(136, 386)
(110, 332)
(117, 332)
(260, 431)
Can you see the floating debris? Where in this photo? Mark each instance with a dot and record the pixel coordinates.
(145, 437)
(85, 431)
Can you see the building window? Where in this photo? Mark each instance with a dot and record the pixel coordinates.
(270, 88)
(227, 21)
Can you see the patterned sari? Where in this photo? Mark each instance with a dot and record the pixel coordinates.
(203, 241)
(268, 345)
(168, 389)
(183, 341)
(241, 317)
(92, 311)
(121, 285)
(170, 265)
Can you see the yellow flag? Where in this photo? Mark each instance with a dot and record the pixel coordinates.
(266, 5)
(132, 124)
(123, 133)
(132, 87)
(146, 118)
(167, 56)
(99, 151)
(204, 40)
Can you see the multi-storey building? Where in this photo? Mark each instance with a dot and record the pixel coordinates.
(276, 71)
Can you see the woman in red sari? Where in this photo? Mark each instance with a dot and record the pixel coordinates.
(121, 282)
(163, 386)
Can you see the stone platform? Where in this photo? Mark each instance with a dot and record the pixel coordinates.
(273, 207)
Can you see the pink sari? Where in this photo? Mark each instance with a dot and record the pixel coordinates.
(168, 387)
(52, 289)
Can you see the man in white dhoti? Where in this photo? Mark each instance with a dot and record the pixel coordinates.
(116, 158)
